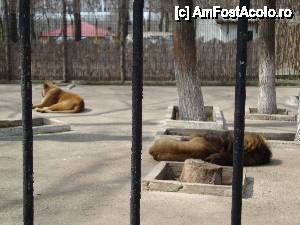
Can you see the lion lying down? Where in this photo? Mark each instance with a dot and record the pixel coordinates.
(213, 148)
(56, 100)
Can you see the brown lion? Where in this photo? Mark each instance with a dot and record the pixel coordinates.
(56, 100)
(213, 148)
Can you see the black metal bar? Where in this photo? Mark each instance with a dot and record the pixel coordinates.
(137, 98)
(26, 87)
(239, 117)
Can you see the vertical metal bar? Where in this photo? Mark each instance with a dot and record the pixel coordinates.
(137, 97)
(26, 87)
(239, 117)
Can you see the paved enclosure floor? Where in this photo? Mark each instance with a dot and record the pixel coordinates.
(83, 177)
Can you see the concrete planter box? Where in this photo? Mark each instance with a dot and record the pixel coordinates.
(213, 112)
(40, 126)
(164, 178)
(292, 101)
(177, 133)
(283, 115)
(283, 128)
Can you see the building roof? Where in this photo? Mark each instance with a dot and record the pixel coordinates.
(87, 30)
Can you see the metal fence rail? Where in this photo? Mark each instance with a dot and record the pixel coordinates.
(137, 96)
(215, 41)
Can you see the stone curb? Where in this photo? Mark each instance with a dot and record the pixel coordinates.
(255, 116)
(155, 181)
(41, 126)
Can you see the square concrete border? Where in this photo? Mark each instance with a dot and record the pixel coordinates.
(153, 182)
(170, 122)
(293, 100)
(290, 116)
(40, 126)
(291, 144)
(179, 132)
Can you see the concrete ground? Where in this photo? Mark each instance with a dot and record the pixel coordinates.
(83, 176)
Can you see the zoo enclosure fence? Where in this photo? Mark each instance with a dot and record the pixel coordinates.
(97, 58)
(137, 96)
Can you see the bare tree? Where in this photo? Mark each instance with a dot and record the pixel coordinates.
(149, 16)
(267, 87)
(164, 21)
(2, 32)
(191, 104)
(32, 15)
(13, 27)
(162, 17)
(167, 21)
(8, 49)
(124, 22)
(44, 9)
(297, 136)
(65, 41)
(77, 19)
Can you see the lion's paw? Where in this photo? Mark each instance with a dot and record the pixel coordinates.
(40, 110)
(217, 158)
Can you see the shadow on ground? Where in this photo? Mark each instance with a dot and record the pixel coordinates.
(79, 137)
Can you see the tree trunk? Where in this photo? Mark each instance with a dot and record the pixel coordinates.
(44, 10)
(297, 136)
(8, 47)
(96, 30)
(191, 105)
(2, 32)
(119, 22)
(13, 27)
(198, 171)
(32, 28)
(267, 87)
(119, 27)
(77, 19)
(48, 28)
(161, 21)
(167, 22)
(65, 42)
(124, 20)
(149, 18)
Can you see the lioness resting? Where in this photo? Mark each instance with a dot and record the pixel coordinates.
(213, 148)
(56, 100)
